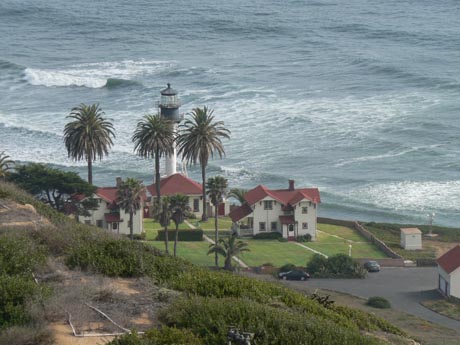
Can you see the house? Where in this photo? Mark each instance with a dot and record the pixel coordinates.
(109, 215)
(411, 238)
(180, 184)
(449, 273)
(291, 212)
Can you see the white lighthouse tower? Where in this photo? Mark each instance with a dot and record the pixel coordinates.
(169, 109)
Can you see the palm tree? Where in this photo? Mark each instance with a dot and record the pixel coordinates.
(129, 198)
(178, 204)
(164, 218)
(5, 165)
(154, 138)
(217, 187)
(89, 136)
(238, 194)
(228, 249)
(199, 139)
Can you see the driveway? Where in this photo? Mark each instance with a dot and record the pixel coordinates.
(405, 288)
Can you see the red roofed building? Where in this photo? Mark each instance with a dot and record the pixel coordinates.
(449, 272)
(109, 216)
(291, 212)
(180, 184)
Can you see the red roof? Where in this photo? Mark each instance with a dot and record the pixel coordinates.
(287, 220)
(175, 184)
(284, 196)
(240, 212)
(108, 194)
(450, 261)
(112, 217)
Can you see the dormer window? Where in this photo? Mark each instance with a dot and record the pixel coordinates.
(268, 205)
(304, 209)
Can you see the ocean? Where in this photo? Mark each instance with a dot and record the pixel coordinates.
(360, 98)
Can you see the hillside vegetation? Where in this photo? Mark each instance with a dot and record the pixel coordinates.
(207, 301)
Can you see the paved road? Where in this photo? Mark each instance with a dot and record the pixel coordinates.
(405, 288)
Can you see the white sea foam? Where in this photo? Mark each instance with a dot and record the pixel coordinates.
(411, 195)
(94, 75)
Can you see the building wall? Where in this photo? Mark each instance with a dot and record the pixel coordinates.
(455, 283)
(443, 276)
(267, 216)
(309, 218)
(411, 241)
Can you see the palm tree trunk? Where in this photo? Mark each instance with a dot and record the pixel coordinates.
(90, 171)
(166, 240)
(176, 238)
(216, 237)
(131, 230)
(228, 262)
(204, 217)
(157, 176)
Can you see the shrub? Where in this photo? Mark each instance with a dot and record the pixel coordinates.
(273, 235)
(287, 268)
(378, 302)
(162, 336)
(184, 235)
(282, 239)
(210, 317)
(317, 265)
(304, 238)
(339, 265)
(138, 237)
(27, 335)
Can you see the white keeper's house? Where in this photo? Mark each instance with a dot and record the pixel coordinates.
(449, 273)
(291, 212)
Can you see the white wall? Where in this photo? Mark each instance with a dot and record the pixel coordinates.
(446, 278)
(267, 216)
(411, 241)
(309, 218)
(455, 283)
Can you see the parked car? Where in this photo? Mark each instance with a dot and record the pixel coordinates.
(372, 266)
(294, 275)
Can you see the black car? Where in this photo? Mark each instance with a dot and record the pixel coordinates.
(294, 275)
(372, 266)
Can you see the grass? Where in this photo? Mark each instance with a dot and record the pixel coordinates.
(449, 308)
(194, 252)
(275, 252)
(342, 231)
(224, 223)
(151, 228)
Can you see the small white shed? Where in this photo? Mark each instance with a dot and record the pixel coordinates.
(411, 238)
(449, 273)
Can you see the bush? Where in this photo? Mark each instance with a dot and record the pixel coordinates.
(282, 239)
(184, 235)
(27, 335)
(138, 237)
(287, 268)
(339, 265)
(378, 302)
(304, 238)
(162, 336)
(210, 317)
(273, 235)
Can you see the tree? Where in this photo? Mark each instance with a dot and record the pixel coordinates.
(164, 218)
(228, 249)
(238, 194)
(55, 187)
(5, 165)
(200, 137)
(178, 205)
(89, 136)
(129, 199)
(217, 187)
(154, 138)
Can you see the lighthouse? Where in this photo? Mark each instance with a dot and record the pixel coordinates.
(169, 109)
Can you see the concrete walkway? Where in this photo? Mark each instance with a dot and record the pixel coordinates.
(310, 249)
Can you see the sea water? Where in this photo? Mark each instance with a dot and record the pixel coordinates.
(359, 98)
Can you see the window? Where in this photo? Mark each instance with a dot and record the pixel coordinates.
(314, 206)
(304, 225)
(99, 223)
(262, 226)
(114, 226)
(268, 205)
(304, 210)
(196, 205)
(274, 226)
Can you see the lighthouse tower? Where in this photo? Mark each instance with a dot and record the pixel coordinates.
(169, 109)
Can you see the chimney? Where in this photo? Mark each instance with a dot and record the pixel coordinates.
(291, 185)
(119, 181)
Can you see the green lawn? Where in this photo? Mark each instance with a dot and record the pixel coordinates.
(275, 252)
(224, 223)
(341, 231)
(194, 252)
(151, 228)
